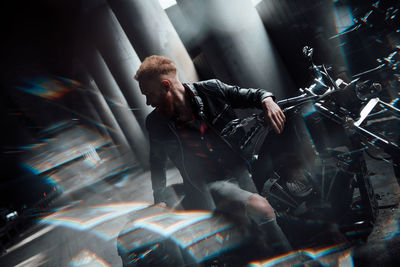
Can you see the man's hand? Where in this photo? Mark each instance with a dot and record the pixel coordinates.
(161, 204)
(273, 114)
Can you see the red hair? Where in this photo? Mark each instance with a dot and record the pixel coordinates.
(154, 66)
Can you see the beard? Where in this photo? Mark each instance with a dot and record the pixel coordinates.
(167, 108)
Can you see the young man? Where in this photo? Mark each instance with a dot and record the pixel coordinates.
(185, 126)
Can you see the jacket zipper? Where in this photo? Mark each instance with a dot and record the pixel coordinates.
(220, 114)
(183, 157)
(203, 117)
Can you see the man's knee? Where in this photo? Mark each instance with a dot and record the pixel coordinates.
(259, 206)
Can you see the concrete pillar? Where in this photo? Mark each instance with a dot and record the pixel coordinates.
(295, 24)
(152, 33)
(95, 122)
(118, 105)
(236, 44)
(106, 118)
(106, 34)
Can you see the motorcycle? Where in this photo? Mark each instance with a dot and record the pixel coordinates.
(323, 184)
(333, 172)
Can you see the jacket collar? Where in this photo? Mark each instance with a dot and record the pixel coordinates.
(191, 89)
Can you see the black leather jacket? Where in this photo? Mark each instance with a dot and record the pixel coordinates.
(214, 101)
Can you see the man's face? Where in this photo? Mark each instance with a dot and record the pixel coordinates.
(158, 97)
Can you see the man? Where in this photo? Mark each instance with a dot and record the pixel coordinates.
(185, 127)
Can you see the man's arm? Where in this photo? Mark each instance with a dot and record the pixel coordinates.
(273, 114)
(255, 98)
(158, 159)
(243, 97)
(158, 172)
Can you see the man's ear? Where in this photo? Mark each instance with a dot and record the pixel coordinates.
(166, 84)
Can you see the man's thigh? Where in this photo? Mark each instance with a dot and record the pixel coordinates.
(229, 197)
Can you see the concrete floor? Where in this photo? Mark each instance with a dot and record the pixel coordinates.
(383, 246)
(69, 240)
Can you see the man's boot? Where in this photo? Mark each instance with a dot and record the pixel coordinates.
(274, 237)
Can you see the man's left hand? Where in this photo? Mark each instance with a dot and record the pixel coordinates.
(273, 114)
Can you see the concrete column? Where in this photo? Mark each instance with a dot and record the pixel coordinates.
(152, 33)
(295, 24)
(94, 120)
(107, 121)
(118, 105)
(107, 35)
(236, 44)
